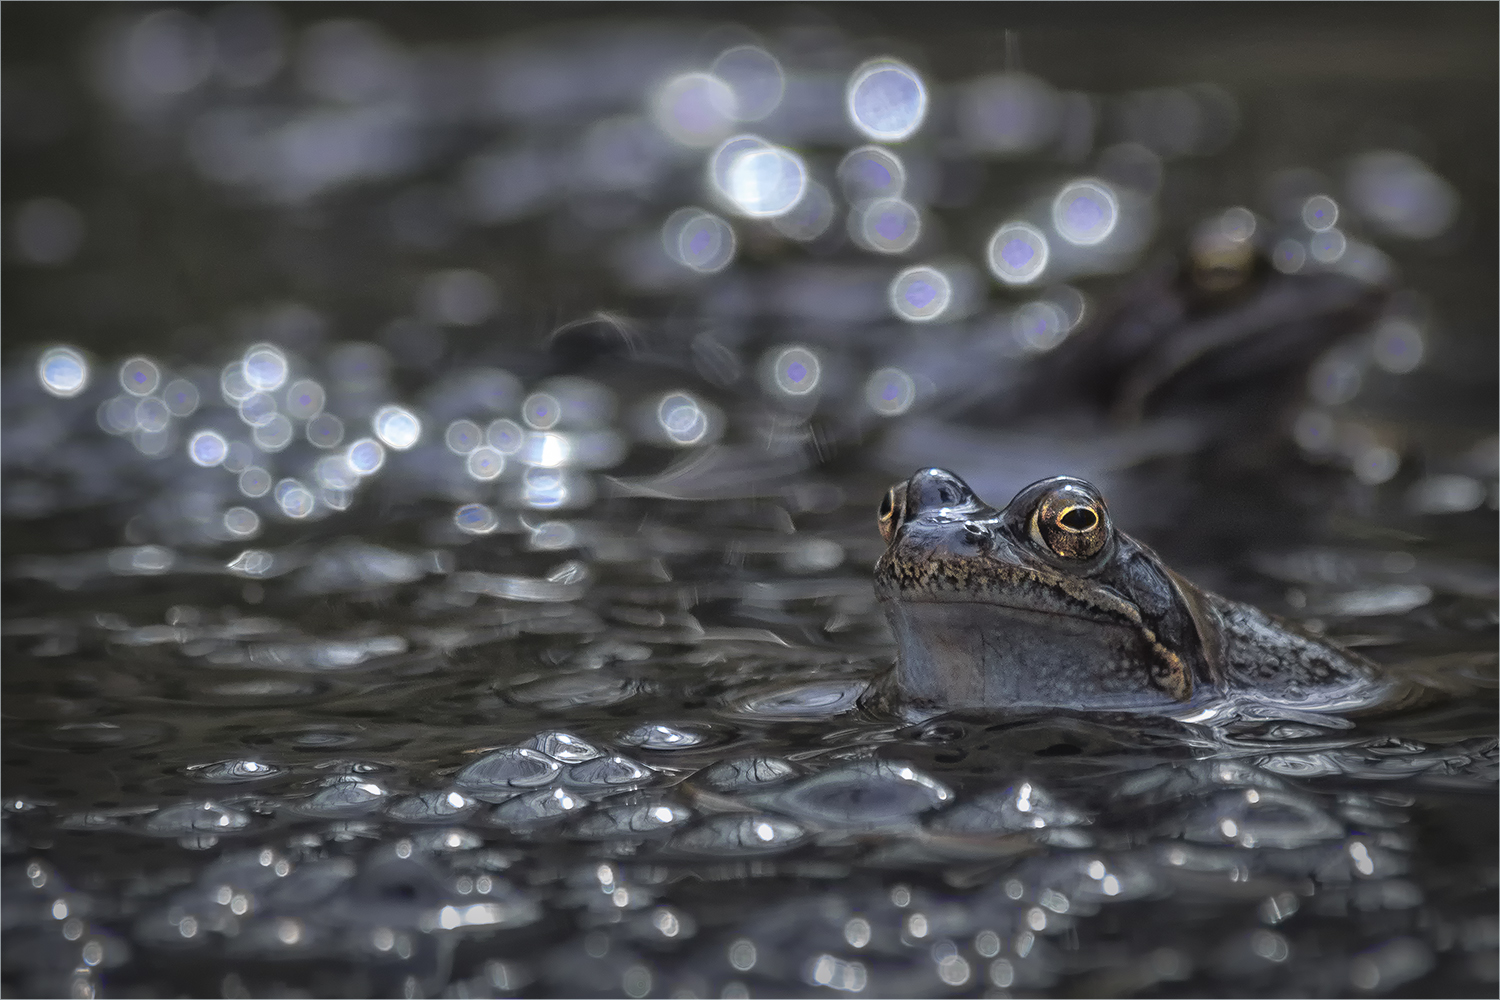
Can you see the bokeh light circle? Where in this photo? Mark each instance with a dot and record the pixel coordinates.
(1018, 253)
(890, 392)
(920, 294)
(207, 448)
(505, 436)
(484, 464)
(397, 427)
(871, 172)
(889, 225)
(695, 109)
(463, 436)
(1085, 212)
(682, 419)
(63, 372)
(886, 100)
(365, 456)
(264, 368)
(475, 519)
(795, 371)
(140, 376)
(766, 182)
(1320, 213)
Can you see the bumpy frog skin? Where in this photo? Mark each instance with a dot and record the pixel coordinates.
(1046, 604)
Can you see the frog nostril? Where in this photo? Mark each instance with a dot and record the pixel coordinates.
(976, 532)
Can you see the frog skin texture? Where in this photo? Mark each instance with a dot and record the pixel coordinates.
(1046, 604)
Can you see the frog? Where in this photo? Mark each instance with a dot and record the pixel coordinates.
(1045, 604)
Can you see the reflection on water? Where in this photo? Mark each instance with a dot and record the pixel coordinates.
(439, 482)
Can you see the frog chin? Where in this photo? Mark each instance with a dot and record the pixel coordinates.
(962, 654)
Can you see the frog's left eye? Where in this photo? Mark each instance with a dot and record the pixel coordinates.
(892, 510)
(1071, 523)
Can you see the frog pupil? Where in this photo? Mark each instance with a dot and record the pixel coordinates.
(885, 507)
(1078, 519)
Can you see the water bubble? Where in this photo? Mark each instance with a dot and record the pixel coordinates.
(63, 372)
(1040, 326)
(1398, 346)
(1017, 253)
(871, 172)
(766, 182)
(607, 771)
(683, 420)
(242, 522)
(232, 384)
(255, 482)
(273, 435)
(1085, 212)
(888, 225)
(795, 371)
(264, 368)
(1328, 246)
(207, 448)
(1320, 213)
(181, 397)
(294, 499)
(886, 100)
(47, 231)
(325, 431)
(811, 216)
(397, 427)
(505, 436)
(532, 809)
(463, 436)
(1288, 256)
(541, 411)
(755, 77)
(475, 519)
(152, 415)
(890, 392)
(305, 399)
(698, 240)
(484, 464)
(140, 376)
(513, 767)
(695, 109)
(920, 294)
(365, 456)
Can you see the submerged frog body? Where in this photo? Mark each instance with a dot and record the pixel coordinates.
(1046, 604)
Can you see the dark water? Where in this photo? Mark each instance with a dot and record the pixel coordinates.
(590, 724)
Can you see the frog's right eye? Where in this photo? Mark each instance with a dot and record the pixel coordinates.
(1071, 522)
(892, 510)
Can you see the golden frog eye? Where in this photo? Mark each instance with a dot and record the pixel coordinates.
(892, 509)
(1070, 523)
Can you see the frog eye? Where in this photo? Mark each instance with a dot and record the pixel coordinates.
(892, 510)
(1070, 523)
